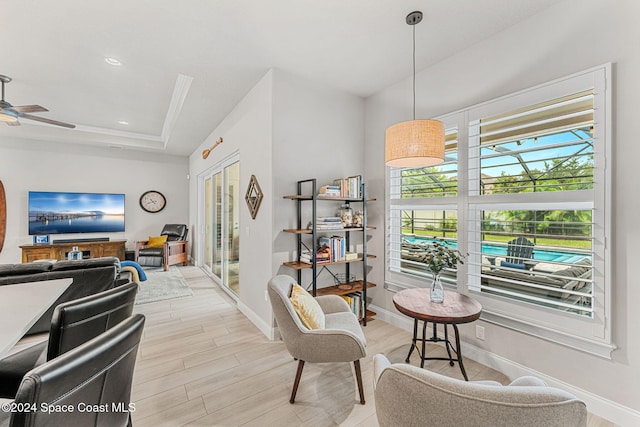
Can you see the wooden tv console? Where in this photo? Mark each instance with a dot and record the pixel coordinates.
(59, 251)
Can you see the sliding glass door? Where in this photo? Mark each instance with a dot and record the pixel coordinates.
(231, 227)
(208, 222)
(221, 220)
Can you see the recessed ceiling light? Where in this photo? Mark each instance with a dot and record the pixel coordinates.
(112, 61)
(122, 122)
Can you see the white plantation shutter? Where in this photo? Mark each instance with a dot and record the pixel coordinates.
(533, 176)
(561, 114)
(525, 194)
(423, 204)
(407, 247)
(559, 278)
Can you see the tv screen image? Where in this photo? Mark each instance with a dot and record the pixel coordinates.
(61, 213)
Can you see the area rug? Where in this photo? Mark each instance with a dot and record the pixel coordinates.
(162, 285)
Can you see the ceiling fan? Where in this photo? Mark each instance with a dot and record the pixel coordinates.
(10, 114)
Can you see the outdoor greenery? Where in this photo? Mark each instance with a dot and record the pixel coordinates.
(428, 182)
(563, 174)
(559, 228)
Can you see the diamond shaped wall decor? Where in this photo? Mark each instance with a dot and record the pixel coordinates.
(253, 196)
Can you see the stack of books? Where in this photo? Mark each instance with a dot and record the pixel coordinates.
(330, 249)
(328, 223)
(322, 256)
(350, 187)
(336, 246)
(330, 191)
(356, 302)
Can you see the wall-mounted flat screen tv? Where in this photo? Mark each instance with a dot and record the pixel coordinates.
(61, 213)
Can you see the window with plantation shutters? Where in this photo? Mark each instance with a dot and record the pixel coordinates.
(535, 250)
(524, 194)
(423, 207)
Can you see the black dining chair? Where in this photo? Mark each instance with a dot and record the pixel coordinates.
(94, 380)
(73, 323)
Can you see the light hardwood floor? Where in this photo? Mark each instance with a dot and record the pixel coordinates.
(202, 363)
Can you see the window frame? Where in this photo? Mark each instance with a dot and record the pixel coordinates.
(592, 335)
(395, 280)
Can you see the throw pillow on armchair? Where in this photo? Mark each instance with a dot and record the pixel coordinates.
(156, 241)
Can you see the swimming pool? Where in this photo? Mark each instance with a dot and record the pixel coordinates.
(500, 250)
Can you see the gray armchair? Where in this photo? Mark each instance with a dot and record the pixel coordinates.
(410, 396)
(342, 339)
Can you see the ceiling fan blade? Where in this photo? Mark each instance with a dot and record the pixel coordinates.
(49, 121)
(30, 109)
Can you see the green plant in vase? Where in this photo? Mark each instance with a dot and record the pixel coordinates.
(437, 257)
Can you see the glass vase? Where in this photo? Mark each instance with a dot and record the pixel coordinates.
(346, 215)
(437, 291)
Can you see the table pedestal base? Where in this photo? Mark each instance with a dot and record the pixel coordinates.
(450, 348)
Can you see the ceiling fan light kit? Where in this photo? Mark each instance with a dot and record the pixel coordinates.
(4, 117)
(414, 143)
(10, 114)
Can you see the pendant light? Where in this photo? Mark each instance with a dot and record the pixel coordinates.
(414, 143)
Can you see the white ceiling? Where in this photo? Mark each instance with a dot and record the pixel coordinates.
(185, 65)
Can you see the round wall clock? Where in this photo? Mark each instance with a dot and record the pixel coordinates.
(153, 201)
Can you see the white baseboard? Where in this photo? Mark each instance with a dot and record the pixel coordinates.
(618, 414)
(267, 330)
(399, 320)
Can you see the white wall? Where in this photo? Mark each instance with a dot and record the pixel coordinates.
(247, 130)
(318, 133)
(570, 37)
(285, 129)
(44, 166)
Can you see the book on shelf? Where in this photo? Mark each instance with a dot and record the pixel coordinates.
(356, 303)
(328, 219)
(335, 245)
(329, 227)
(329, 191)
(350, 187)
(322, 256)
(305, 256)
(328, 223)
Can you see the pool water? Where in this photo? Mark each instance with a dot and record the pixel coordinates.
(499, 250)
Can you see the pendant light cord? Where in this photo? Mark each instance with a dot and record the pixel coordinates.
(414, 72)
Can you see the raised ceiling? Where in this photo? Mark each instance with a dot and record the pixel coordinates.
(185, 65)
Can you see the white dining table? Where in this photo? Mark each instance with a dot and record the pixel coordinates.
(22, 304)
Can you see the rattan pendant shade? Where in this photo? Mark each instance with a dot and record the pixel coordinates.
(414, 143)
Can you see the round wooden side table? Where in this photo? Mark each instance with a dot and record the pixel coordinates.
(456, 309)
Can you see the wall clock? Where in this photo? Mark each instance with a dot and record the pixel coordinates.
(152, 201)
